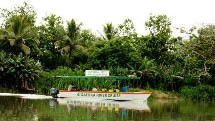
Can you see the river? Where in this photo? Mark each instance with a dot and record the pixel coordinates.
(17, 107)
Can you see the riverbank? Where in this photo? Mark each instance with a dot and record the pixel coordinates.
(157, 94)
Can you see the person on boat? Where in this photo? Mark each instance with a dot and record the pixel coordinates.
(94, 89)
(71, 87)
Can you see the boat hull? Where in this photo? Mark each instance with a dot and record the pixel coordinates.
(104, 95)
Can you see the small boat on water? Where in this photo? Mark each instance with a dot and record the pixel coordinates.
(118, 96)
(123, 95)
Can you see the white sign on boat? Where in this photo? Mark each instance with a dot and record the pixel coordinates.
(97, 73)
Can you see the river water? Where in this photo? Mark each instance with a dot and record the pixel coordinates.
(14, 107)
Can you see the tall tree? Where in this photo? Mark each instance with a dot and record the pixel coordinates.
(26, 10)
(72, 41)
(19, 30)
(126, 29)
(18, 35)
(51, 33)
(109, 31)
(116, 52)
(199, 53)
(159, 42)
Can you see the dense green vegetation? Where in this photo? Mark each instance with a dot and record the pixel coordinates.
(31, 55)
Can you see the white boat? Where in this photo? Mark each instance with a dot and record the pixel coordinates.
(138, 96)
(102, 104)
(111, 95)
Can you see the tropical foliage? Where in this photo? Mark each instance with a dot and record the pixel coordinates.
(32, 54)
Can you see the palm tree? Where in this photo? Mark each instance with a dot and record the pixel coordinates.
(109, 31)
(147, 69)
(72, 41)
(20, 34)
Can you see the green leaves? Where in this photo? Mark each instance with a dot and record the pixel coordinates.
(126, 29)
(159, 43)
(109, 31)
(73, 30)
(21, 69)
(18, 30)
(113, 53)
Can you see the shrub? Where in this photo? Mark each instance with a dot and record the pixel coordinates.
(200, 93)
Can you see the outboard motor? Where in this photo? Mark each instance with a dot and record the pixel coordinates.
(54, 92)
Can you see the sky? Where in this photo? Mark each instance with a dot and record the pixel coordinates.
(95, 13)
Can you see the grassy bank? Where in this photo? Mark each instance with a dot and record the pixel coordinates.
(157, 94)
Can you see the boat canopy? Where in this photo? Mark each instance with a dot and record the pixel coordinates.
(100, 81)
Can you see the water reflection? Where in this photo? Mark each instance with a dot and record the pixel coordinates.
(52, 102)
(102, 104)
(182, 110)
(16, 108)
(103, 110)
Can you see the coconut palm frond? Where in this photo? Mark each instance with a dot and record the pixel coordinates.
(109, 31)
(3, 32)
(21, 34)
(66, 48)
(25, 49)
(12, 42)
(81, 49)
